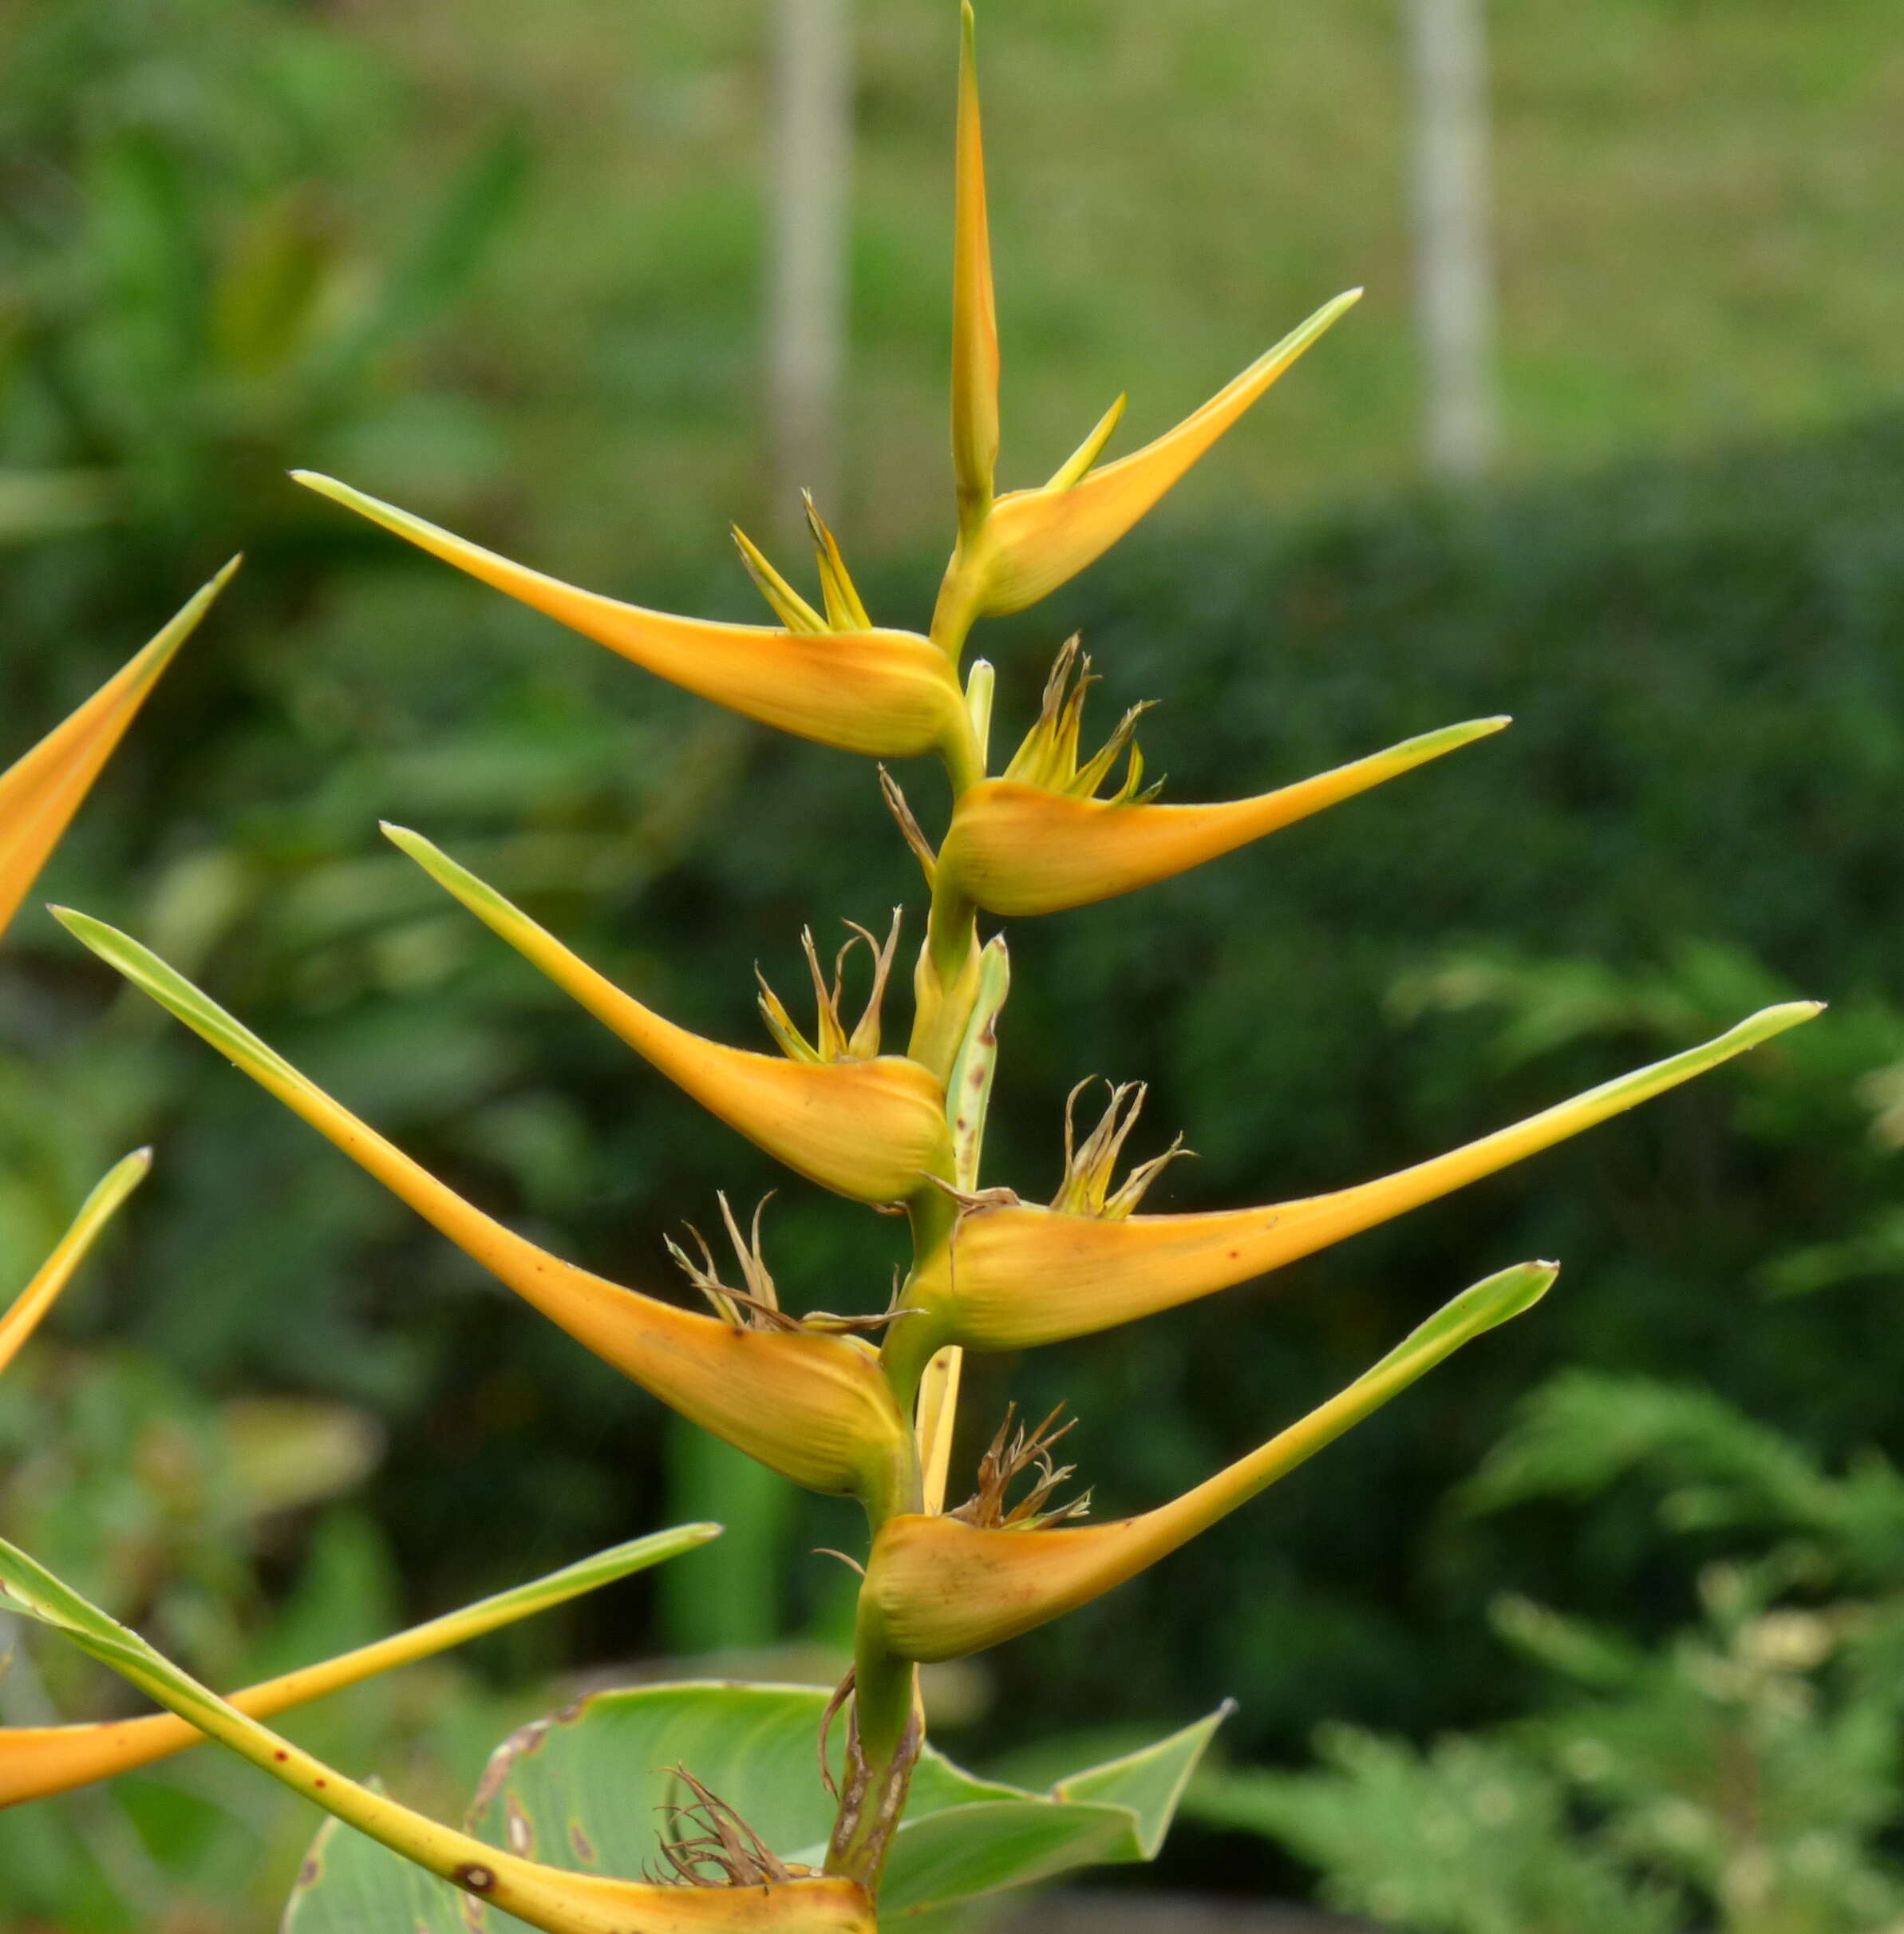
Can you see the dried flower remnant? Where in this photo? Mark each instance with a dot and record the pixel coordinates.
(708, 1844)
(1009, 1456)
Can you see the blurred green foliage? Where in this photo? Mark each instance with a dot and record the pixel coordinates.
(500, 265)
(1744, 1774)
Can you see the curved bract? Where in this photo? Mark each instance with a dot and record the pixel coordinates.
(37, 1762)
(41, 791)
(872, 1129)
(1017, 849)
(888, 694)
(1035, 541)
(1020, 1276)
(28, 1309)
(559, 1902)
(938, 1589)
(814, 1407)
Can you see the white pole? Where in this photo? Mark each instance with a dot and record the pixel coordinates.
(812, 160)
(1454, 255)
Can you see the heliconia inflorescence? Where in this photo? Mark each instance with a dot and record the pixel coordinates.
(866, 1406)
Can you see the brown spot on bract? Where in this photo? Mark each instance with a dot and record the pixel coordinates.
(520, 1829)
(584, 1848)
(309, 1873)
(478, 1880)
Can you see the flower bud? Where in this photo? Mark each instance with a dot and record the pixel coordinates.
(42, 790)
(872, 1129)
(815, 1407)
(30, 1307)
(550, 1898)
(940, 1588)
(1019, 1275)
(1015, 849)
(889, 694)
(974, 309)
(37, 1762)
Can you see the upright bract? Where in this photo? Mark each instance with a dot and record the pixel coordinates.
(41, 790)
(811, 1395)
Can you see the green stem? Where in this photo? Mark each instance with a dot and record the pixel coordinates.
(886, 1735)
(887, 1727)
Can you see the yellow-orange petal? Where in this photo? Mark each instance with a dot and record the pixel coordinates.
(557, 1901)
(42, 790)
(1034, 540)
(29, 1308)
(815, 1408)
(891, 694)
(938, 1589)
(974, 310)
(1022, 1275)
(1015, 849)
(37, 1762)
(871, 1129)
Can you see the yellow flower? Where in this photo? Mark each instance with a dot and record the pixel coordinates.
(871, 1127)
(938, 1588)
(546, 1897)
(1016, 1276)
(1016, 847)
(813, 1406)
(889, 694)
(42, 790)
(1017, 548)
(37, 1762)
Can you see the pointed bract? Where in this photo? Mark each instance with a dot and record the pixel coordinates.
(940, 1589)
(815, 1408)
(30, 1307)
(1020, 1276)
(891, 694)
(557, 1901)
(974, 310)
(871, 1129)
(37, 1761)
(42, 790)
(1017, 849)
(1035, 541)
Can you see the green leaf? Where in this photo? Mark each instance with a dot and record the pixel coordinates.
(584, 1790)
(349, 1884)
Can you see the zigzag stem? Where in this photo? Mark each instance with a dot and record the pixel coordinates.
(887, 1727)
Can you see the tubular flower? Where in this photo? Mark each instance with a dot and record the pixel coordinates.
(42, 790)
(546, 1897)
(871, 1127)
(939, 1588)
(889, 694)
(1016, 847)
(1016, 549)
(30, 1308)
(1018, 1275)
(815, 1407)
(37, 1762)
